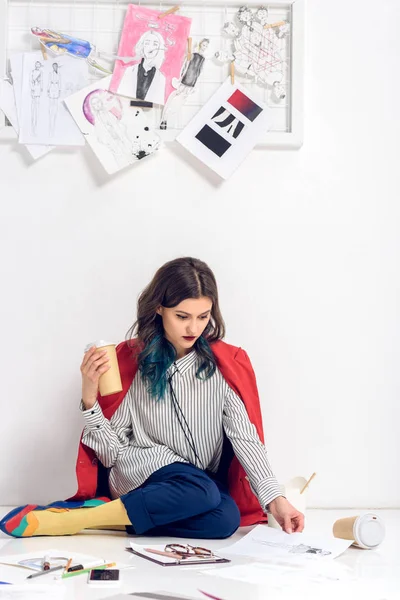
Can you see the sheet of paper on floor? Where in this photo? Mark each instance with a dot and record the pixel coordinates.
(32, 561)
(163, 595)
(263, 542)
(278, 575)
(13, 100)
(31, 592)
(44, 118)
(305, 583)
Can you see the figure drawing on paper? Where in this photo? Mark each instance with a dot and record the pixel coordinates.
(257, 49)
(104, 110)
(150, 54)
(53, 93)
(294, 548)
(60, 43)
(146, 76)
(36, 92)
(190, 74)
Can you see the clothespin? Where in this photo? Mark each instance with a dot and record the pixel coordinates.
(189, 52)
(168, 12)
(233, 72)
(278, 24)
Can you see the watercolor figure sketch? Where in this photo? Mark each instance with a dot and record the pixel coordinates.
(157, 47)
(118, 134)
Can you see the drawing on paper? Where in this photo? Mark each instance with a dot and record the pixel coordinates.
(104, 111)
(257, 48)
(145, 79)
(226, 129)
(228, 122)
(43, 118)
(294, 548)
(36, 82)
(61, 43)
(11, 101)
(185, 85)
(117, 133)
(154, 49)
(53, 93)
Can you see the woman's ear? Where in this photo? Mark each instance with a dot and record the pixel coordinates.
(159, 310)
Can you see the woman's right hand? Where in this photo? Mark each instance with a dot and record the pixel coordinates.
(95, 363)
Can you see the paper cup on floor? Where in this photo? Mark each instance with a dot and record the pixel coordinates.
(367, 531)
(291, 490)
(110, 381)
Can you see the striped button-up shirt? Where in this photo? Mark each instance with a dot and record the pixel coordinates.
(144, 434)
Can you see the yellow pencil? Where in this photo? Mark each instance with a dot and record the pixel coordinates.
(67, 566)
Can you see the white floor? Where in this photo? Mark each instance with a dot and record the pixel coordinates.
(359, 574)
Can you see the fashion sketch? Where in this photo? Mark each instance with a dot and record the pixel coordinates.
(295, 549)
(127, 140)
(104, 111)
(36, 84)
(190, 74)
(258, 48)
(144, 80)
(53, 93)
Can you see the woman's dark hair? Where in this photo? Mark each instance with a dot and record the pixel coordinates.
(174, 282)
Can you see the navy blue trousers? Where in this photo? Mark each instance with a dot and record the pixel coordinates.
(180, 500)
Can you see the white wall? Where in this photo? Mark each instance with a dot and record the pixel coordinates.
(305, 248)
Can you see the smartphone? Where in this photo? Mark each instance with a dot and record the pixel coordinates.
(106, 577)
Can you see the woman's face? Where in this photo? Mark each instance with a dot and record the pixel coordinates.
(151, 47)
(245, 16)
(203, 46)
(183, 324)
(96, 103)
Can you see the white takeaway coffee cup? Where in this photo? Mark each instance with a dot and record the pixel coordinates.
(367, 530)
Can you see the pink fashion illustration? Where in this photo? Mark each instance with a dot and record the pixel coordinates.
(158, 47)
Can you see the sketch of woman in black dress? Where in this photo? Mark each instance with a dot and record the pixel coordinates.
(36, 92)
(53, 92)
(189, 75)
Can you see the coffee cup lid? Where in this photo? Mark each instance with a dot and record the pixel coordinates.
(369, 530)
(98, 344)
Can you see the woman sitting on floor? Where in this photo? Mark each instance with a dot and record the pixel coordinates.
(183, 440)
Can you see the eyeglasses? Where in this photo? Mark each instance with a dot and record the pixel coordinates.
(188, 550)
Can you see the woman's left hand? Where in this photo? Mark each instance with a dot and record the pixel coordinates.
(289, 518)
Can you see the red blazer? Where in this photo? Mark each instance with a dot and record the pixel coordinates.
(236, 368)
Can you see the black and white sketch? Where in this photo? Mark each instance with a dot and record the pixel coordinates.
(259, 49)
(36, 83)
(44, 119)
(53, 93)
(305, 549)
(186, 84)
